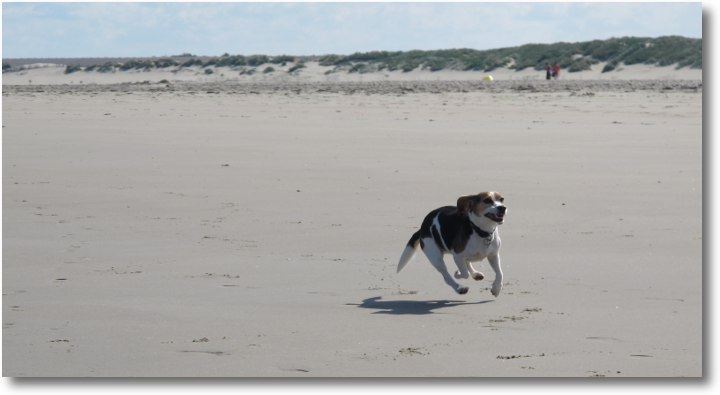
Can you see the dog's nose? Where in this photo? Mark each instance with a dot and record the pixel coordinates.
(502, 209)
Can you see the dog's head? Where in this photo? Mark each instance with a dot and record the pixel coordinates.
(486, 205)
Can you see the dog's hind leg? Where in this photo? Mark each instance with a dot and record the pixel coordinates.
(463, 271)
(435, 256)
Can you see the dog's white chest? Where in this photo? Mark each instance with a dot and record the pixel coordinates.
(479, 248)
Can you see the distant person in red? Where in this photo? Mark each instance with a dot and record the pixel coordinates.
(549, 70)
(556, 71)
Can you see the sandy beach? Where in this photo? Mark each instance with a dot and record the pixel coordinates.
(205, 228)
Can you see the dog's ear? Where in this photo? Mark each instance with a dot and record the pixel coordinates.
(465, 203)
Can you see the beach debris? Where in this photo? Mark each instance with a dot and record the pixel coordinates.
(533, 310)
(410, 351)
(519, 356)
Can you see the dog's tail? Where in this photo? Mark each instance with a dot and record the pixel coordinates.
(410, 251)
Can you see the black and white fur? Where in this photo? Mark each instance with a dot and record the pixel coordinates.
(468, 231)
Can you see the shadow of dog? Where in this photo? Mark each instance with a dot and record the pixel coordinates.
(415, 307)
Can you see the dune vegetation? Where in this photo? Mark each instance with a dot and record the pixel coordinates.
(299, 65)
(661, 51)
(573, 57)
(71, 69)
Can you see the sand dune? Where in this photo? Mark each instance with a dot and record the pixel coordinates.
(316, 73)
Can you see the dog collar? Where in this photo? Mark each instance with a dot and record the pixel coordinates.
(482, 233)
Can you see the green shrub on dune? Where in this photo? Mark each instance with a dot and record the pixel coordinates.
(137, 64)
(108, 67)
(192, 62)
(610, 66)
(257, 60)
(694, 61)
(378, 56)
(297, 66)
(165, 62)
(435, 63)
(357, 67)
(391, 65)
(409, 65)
(230, 61)
(582, 64)
(329, 60)
(72, 68)
(282, 59)
(495, 63)
(211, 62)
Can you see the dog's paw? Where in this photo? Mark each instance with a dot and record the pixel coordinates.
(495, 290)
(478, 276)
(459, 275)
(462, 290)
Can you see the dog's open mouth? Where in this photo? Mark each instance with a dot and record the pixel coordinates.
(495, 217)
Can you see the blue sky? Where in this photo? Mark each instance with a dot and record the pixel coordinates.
(155, 29)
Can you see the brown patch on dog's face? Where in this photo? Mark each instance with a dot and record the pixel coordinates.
(484, 201)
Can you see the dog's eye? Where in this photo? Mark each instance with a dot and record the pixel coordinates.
(502, 200)
(487, 201)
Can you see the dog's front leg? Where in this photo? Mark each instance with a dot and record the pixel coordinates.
(474, 273)
(494, 260)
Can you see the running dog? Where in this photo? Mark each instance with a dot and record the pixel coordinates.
(468, 231)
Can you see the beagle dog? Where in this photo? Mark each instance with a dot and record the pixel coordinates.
(468, 231)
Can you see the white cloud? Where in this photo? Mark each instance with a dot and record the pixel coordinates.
(19, 10)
